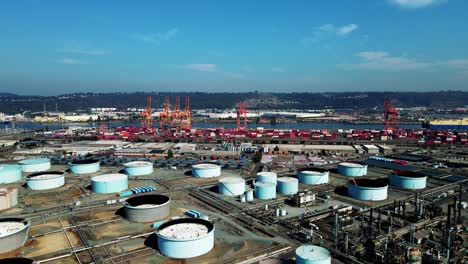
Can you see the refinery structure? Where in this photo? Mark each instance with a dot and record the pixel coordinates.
(165, 191)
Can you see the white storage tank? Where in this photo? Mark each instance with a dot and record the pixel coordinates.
(287, 185)
(313, 176)
(138, 168)
(309, 254)
(206, 170)
(266, 176)
(10, 173)
(45, 180)
(109, 183)
(35, 165)
(265, 190)
(231, 186)
(352, 169)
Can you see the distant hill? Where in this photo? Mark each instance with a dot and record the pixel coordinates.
(10, 103)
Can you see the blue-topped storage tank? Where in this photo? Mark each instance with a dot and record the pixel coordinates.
(45, 180)
(35, 165)
(352, 169)
(109, 183)
(265, 190)
(231, 186)
(309, 254)
(368, 189)
(287, 185)
(84, 166)
(10, 173)
(206, 170)
(185, 237)
(137, 168)
(313, 176)
(266, 176)
(408, 180)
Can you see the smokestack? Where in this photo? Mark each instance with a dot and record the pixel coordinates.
(449, 217)
(371, 221)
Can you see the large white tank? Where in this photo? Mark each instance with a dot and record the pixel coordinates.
(266, 176)
(35, 165)
(287, 185)
(206, 170)
(109, 183)
(231, 186)
(45, 180)
(309, 254)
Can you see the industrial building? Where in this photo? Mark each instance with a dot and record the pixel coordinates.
(10, 173)
(35, 165)
(45, 180)
(138, 168)
(231, 186)
(147, 208)
(86, 166)
(109, 183)
(13, 233)
(206, 170)
(185, 238)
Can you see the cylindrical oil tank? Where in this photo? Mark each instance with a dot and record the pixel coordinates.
(287, 185)
(109, 183)
(368, 189)
(185, 238)
(45, 180)
(84, 166)
(13, 233)
(352, 169)
(313, 176)
(249, 196)
(266, 176)
(408, 180)
(10, 173)
(137, 168)
(310, 254)
(231, 186)
(8, 198)
(35, 165)
(147, 208)
(206, 170)
(265, 190)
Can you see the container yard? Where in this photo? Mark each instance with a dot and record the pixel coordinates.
(241, 195)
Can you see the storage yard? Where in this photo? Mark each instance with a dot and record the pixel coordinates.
(249, 200)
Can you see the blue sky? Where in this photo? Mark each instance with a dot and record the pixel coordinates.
(56, 47)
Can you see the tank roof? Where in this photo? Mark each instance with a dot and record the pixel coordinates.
(311, 252)
(287, 179)
(267, 174)
(33, 161)
(138, 164)
(147, 201)
(185, 229)
(369, 183)
(5, 191)
(205, 165)
(9, 167)
(312, 169)
(352, 164)
(83, 162)
(10, 226)
(45, 175)
(109, 177)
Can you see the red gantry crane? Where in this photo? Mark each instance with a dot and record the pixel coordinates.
(147, 115)
(185, 116)
(164, 116)
(242, 114)
(390, 115)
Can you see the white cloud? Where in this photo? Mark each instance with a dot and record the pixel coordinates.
(327, 31)
(457, 63)
(345, 30)
(70, 61)
(157, 38)
(83, 51)
(201, 67)
(379, 60)
(415, 3)
(277, 69)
